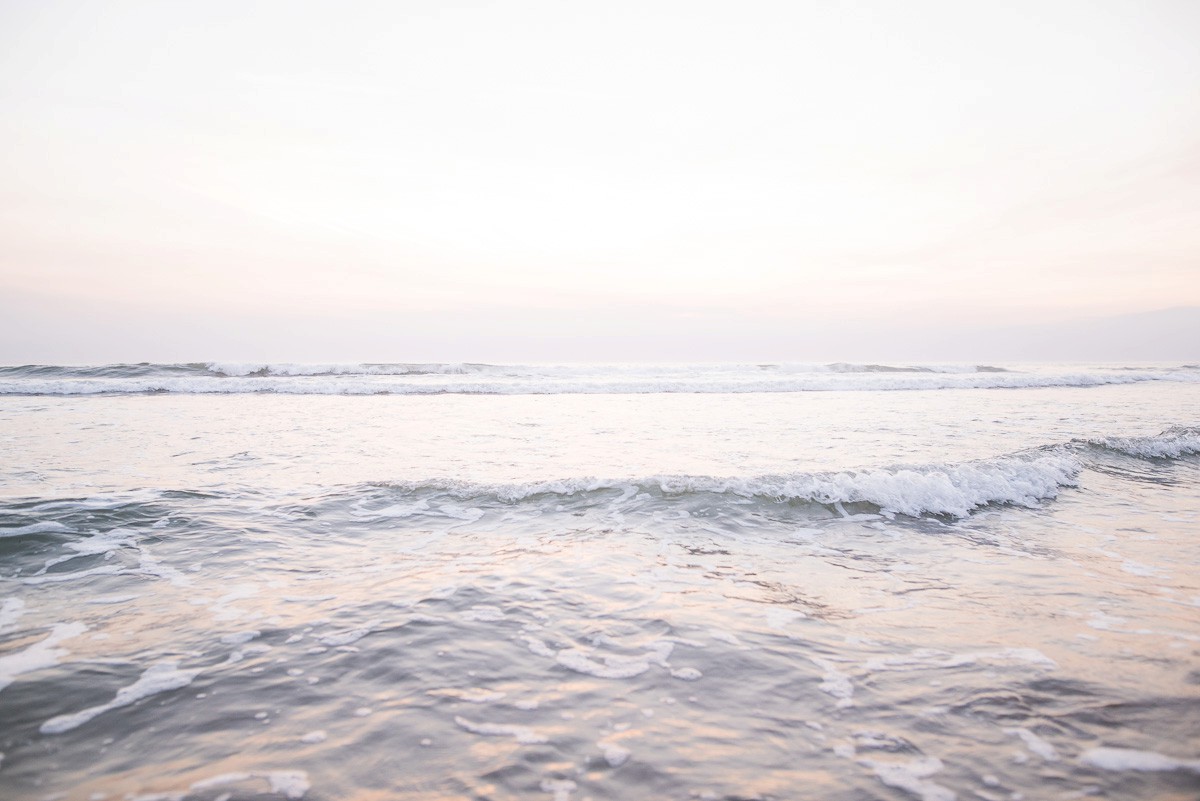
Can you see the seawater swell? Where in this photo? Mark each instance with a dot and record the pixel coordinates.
(937, 490)
(1174, 443)
(486, 379)
(942, 490)
(234, 370)
(950, 490)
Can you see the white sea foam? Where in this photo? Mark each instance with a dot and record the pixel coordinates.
(912, 777)
(42, 654)
(291, 784)
(950, 489)
(288, 783)
(946, 489)
(1035, 744)
(539, 648)
(98, 543)
(472, 695)
(1138, 569)
(10, 611)
(75, 575)
(870, 739)
(483, 613)
(43, 527)
(1131, 759)
(522, 734)
(398, 510)
(221, 779)
(1173, 443)
(615, 755)
(104, 542)
(158, 678)
(930, 658)
(613, 667)
(345, 637)
(151, 565)
(561, 789)
(726, 637)
(835, 683)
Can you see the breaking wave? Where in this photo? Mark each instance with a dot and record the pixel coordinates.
(946, 490)
(940, 490)
(1174, 443)
(489, 379)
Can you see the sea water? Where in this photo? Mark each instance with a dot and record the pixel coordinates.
(611, 582)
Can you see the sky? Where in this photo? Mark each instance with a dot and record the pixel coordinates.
(445, 181)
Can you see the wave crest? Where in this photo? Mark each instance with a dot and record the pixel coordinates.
(261, 370)
(1174, 443)
(487, 379)
(947, 490)
(939, 490)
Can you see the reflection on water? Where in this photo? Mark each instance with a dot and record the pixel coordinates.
(338, 657)
(255, 597)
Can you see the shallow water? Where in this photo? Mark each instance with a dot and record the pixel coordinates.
(971, 593)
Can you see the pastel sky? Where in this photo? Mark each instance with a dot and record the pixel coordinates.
(556, 180)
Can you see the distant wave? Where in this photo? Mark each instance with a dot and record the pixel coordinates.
(235, 370)
(841, 367)
(241, 370)
(489, 379)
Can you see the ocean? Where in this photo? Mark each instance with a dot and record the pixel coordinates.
(570, 582)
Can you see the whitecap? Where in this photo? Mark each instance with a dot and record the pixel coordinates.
(43, 654)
